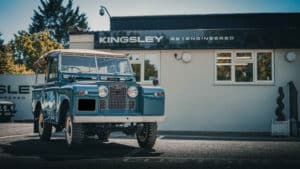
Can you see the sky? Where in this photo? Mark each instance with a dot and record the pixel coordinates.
(16, 15)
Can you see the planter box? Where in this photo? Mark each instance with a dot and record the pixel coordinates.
(280, 128)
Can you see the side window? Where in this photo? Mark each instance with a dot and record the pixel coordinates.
(223, 66)
(146, 67)
(151, 67)
(244, 67)
(264, 66)
(136, 63)
(136, 67)
(52, 70)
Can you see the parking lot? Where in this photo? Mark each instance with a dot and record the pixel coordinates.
(20, 148)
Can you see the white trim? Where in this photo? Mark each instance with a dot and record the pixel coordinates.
(235, 58)
(117, 119)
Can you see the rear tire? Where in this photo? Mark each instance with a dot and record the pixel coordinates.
(45, 128)
(146, 135)
(74, 132)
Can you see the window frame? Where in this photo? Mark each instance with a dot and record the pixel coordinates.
(51, 58)
(273, 68)
(235, 61)
(141, 61)
(215, 67)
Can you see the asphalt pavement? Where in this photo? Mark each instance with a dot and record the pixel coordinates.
(20, 148)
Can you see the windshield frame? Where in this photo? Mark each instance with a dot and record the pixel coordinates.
(96, 65)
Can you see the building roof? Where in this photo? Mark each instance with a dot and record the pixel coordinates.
(207, 21)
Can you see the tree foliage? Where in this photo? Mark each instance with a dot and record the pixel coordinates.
(7, 65)
(1, 41)
(27, 48)
(6, 60)
(59, 19)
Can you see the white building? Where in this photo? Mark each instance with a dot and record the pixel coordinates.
(220, 72)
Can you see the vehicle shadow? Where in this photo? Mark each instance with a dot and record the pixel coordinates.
(57, 150)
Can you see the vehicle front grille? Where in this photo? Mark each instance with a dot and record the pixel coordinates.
(117, 96)
(102, 104)
(6, 107)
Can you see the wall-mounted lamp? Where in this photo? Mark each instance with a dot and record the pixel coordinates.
(186, 57)
(291, 56)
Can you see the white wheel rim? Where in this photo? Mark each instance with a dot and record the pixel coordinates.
(68, 132)
(41, 124)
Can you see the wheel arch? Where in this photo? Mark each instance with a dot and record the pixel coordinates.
(37, 109)
(63, 109)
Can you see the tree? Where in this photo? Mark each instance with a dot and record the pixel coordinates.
(1, 41)
(6, 59)
(59, 19)
(27, 48)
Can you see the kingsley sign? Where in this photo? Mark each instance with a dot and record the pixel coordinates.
(131, 39)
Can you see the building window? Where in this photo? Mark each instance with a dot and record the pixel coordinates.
(136, 67)
(244, 67)
(264, 66)
(224, 62)
(146, 67)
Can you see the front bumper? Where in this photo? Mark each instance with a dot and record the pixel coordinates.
(117, 119)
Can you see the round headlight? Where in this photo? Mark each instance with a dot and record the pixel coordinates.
(132, 91)
(103, 91)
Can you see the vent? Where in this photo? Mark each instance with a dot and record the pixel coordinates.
(131, 105)
(102, 105)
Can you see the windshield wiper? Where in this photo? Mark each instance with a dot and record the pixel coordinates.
(74, 78)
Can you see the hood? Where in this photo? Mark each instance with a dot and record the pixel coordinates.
(5, 102)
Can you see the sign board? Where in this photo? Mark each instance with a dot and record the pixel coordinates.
(17, 88)
(199, 39)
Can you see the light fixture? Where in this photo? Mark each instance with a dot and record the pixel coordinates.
(186, 57)
(102, 12)
(103, 91)
(291, 56)
(132, 91)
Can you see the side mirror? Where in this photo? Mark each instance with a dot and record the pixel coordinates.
(155, 82)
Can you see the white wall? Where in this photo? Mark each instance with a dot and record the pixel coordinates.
(22, 101)
(82, 41)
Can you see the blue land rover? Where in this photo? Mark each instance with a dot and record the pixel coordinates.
(88, 93)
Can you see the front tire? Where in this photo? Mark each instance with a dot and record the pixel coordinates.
(74, 132)
(146, 135)
(45, 128)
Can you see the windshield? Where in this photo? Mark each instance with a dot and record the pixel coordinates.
(87, 64)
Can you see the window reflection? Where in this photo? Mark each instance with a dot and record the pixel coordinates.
(264, 66)
(137, 70)
(151, 63)
(244, 72)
